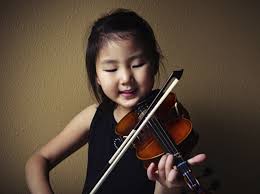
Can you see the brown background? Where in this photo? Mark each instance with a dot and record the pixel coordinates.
(43, 81)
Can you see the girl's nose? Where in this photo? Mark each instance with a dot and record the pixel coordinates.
(126, 76)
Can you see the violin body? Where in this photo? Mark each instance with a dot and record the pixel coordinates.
(175, 123)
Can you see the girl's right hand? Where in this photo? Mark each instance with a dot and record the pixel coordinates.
(37, 175)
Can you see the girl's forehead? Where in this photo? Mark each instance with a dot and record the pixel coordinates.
(121, 43)
(127, 47)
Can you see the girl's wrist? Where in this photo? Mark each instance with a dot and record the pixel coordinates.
(160, 189)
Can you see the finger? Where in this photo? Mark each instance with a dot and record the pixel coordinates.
(168, 164)
(151, 172)
(175, 179)
(197, 159)
(161, 167)
(172, 176)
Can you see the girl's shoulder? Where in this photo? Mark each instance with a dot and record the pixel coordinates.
(81, 122)
(86, 115)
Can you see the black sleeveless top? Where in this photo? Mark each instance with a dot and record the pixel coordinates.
(129, 175)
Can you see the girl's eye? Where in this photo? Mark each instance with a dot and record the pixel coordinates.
(138, 65)
(110, 70)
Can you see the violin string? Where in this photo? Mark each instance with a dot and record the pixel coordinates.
(164, 137)
(180, 162)
(168, 144)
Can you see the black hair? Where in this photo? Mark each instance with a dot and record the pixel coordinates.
(119, 24)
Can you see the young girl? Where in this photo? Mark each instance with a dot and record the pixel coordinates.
(122, 60)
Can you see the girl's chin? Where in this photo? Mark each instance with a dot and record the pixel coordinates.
(129, 104)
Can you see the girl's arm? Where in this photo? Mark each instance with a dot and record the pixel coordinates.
(70, 139)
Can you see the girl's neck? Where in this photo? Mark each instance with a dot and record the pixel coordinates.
(120, 112)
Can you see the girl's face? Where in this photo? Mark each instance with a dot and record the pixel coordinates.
(123, 73)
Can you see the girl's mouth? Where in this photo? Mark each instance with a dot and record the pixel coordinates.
(128, 93)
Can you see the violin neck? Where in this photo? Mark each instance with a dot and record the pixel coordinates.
(170, 146)
(184, 169)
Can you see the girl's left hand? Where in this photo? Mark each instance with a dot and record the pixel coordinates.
(167, 175)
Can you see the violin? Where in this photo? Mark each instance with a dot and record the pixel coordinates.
(159, 124)
(169, 130)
